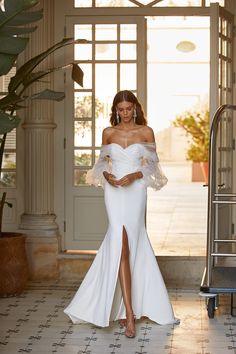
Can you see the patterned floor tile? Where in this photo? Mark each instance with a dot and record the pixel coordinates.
(35, 323)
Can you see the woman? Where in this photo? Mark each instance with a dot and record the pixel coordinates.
(124, 281)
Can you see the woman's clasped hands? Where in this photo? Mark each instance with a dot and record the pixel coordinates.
(124, 181)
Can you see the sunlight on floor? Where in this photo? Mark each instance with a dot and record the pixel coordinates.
(35, 323)
(177, 219)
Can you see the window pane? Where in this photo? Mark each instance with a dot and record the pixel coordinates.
(127, 3)
(11, 140)
(106, 81)
(82, 133)
(128, 77)
(87, 82)
(224, 27)
(229, 49)
(224, 74)
(106, 51)
(229, 74)
(8, 179)
(221, 2)
(224, 47)
(83, 51)
(144, 2)
(106, 32)
(128, 51)
(9, 160)
(171, 3)
(5, 79)
(83, 105)
(79, 177)
(230, 30)
(219, 68)
(83, 158)
(83, 32)
(106, 87)
(128, 32)
(101, 123)
(114, 3)
(102, 115)
(82, 3)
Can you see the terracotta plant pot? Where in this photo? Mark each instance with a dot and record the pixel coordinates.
(205, 169)
(13, 264)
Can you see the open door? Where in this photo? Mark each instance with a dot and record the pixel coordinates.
(221, 92)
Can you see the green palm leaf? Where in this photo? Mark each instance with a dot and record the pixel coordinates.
(8, 122)
(25, 18)
(7, 102)
(77, 74)
(49, 95)
(30, 65)
(12, 45)
(15, 14)
(6, 63)
(14, 31)
(13, 6)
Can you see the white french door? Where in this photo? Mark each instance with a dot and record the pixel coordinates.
(113, 60)
(221, 92)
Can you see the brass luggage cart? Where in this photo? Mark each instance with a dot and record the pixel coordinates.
(220, 272)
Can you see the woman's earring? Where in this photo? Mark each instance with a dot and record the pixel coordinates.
(135, 115)
(117, 117)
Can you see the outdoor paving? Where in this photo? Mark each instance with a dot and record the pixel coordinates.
(177, 219)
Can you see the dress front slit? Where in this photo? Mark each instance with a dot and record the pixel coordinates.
(99, 297)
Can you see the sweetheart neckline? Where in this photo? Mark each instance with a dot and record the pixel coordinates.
(124, 148)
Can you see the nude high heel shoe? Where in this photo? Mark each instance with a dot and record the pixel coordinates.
(130, 333)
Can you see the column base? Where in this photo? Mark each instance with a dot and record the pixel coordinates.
(42, 245)
(43, 225)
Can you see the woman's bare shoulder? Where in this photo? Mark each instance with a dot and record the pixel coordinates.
(148, 134)
(106, 134)
(108, 130)
(147, 128)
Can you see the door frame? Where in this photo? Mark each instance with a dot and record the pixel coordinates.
(62, 10)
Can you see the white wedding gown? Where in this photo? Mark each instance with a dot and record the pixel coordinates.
(99, 298)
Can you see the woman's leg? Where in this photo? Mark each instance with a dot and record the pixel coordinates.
(125, 282)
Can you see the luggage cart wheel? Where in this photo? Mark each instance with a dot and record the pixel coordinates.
(211, 307)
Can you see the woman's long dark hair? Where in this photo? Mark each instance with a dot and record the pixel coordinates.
(127, 96)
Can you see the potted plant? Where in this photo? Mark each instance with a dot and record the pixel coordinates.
(196, 126)
(14, 16)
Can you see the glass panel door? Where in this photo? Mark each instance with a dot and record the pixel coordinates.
(113, 59)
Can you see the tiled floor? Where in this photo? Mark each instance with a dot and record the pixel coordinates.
(35, 323)
(177, 219)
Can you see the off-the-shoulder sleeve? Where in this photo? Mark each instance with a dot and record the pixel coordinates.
(153, 175)
(95, 175)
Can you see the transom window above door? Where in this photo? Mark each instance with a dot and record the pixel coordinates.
(145, 3)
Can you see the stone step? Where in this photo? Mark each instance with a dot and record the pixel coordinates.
(181, 272)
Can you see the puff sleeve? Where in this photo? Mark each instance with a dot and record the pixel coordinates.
(153, 175)
(95, 175)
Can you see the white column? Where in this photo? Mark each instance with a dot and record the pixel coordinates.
(38, 219)
(39, 125)
(38, 153)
